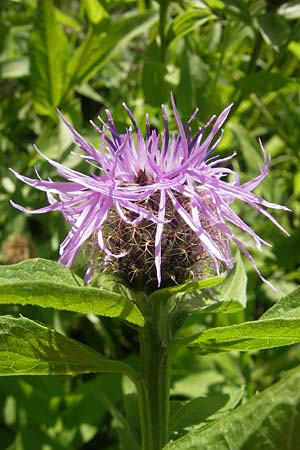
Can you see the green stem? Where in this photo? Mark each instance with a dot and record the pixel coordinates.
(155, 373)
(162, 26)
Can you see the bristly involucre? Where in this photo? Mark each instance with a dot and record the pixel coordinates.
(160, 212)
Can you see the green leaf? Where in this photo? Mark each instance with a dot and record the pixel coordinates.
(257, 335)
(267, 421)
(185, 414)
(155, 87)
(131, 404)
(234, 287)
(15, 68)
(28, 348)
(194, 76)
(274, 29)
(95, 11)
(68, 21)
(263, 82)
(49, 284)
(186, 287)
(84, 412)
(231, 293)
(49, 53)
(102, 41)
(189, 21)
(286, 308)
(126, 437)
(248, 146)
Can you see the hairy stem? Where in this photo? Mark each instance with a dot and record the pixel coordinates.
(155, 372)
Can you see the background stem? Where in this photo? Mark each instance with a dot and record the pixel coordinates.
(162, 26)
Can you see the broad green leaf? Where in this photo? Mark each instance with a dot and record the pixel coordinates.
(29, 348)
(268, 421)
(102, 41)
(49, 53)
(273, 28)
(286, 308)
(49, 284)
(247, 336)
(263, 82)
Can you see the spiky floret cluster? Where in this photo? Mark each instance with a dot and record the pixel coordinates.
(161, 207)
(182, 254)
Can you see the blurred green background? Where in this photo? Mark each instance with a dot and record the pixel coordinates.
(83, 56)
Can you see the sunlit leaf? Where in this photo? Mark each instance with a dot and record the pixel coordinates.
(16, 68)
(279, 326)
(267, 421)
(247, 336)
(49, 284)
(95, 10)
(287, 307)
(290, 10)
(188, 286)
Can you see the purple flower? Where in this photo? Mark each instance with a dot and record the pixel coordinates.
(154, 207)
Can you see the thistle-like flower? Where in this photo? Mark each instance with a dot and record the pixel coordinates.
(157, 209)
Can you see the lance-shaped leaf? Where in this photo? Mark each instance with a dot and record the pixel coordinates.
(287, 307)
(102, 41)
(247, 336)
(29, 348)
(267, 421)
(49, 53)
(49, 284)
(280, 326)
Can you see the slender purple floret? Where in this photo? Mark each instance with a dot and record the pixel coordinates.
(160, 201)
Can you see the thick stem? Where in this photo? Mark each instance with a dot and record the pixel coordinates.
(155, 371)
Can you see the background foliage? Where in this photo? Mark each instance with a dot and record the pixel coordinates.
(85, 56)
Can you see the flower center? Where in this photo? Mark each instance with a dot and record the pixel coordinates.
(182, 254)
(142, 179)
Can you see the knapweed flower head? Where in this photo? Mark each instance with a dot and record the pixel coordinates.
(157, 210)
